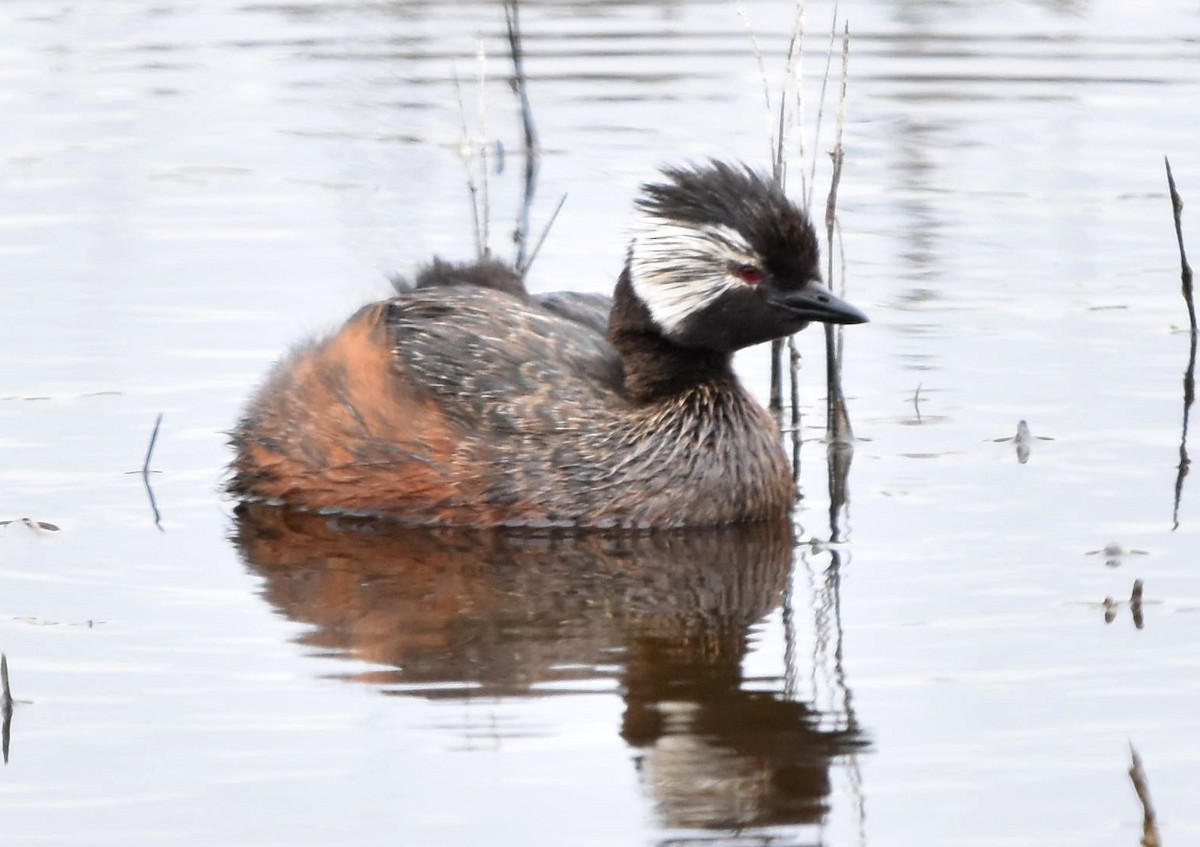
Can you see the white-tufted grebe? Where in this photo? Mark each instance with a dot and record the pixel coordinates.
(464, 401)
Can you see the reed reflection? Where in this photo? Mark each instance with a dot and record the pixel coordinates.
(454, 614)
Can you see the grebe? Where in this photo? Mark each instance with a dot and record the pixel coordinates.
(465, 401)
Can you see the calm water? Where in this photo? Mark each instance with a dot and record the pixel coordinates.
(187, 188)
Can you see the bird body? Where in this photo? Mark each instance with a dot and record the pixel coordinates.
(465, 401)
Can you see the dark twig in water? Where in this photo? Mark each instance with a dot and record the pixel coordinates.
(520, 87)
(533, 254)
(1137, 774)
(6, 706)
(1135, 604)
(153, 441)
(6, 699)
(153, 503)
(793, 376)
(146, 472)
(1186, 273)
(775, 403)
(1189, 395)
(1189, 378)
(794, 368)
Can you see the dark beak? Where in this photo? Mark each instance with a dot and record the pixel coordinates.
(816, 303)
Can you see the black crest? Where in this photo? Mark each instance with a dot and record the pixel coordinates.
(738, 197)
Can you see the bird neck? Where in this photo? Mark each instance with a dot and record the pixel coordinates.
(655, 367)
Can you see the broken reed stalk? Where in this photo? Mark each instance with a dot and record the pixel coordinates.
(837, 419)
(775, 402)
(512, 21)
(537, 247)
(793, 81)
(762, 71)
(468, 156)
(812, 180)
(841, 245)
(794, 368)
(1189, 380)
(778, 149)
(481, 63)
(1137, 774)
(838, 426)
(793, 85)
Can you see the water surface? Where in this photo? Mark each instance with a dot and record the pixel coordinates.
(186, 189)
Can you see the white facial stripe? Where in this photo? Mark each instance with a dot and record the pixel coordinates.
(677, 268)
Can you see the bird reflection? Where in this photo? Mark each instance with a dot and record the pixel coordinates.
(714, 755)
(454, 614)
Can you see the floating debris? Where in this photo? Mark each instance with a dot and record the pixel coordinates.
(1111, 607)
(33, 620)
(36, 526)
(1023, 440)
(1115, 555)
(44, 397)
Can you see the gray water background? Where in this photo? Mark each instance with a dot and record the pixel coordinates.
(188, 188)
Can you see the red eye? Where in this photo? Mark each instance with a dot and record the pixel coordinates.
(749, 274)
